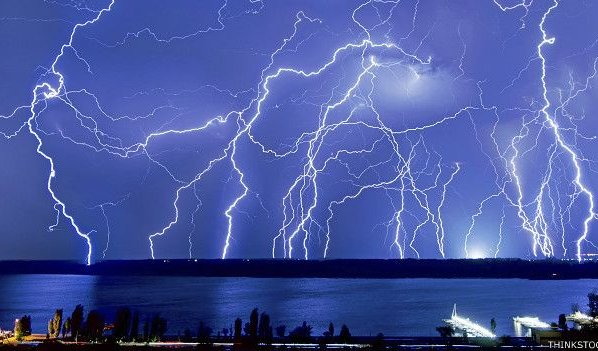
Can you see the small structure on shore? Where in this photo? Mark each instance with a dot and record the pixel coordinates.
(530, 324)
(581, 318)
(5, 334)
(467, 326)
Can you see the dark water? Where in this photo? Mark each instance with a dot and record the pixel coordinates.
(401, 307)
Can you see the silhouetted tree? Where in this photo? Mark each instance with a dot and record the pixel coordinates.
(563, 322)
(445, 331)
(55, 324)
(122, 323)
(95, 325)
(238, 327)
(66, 327)
(575, 308)
(593, 303)
(50, 329)
(492, 325)
(26, 325)
(330, 332)
(77, 321)
(301, 333)
(146, 329)
(265, 329)
(135, 326)
(379, 344)
(344, 335)
(204, 333)
(158, 328)
(252, 326)
(281, 331)
(22, 327)
(18, 330)
(187, 336)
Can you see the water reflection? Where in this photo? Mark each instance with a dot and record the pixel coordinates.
(407, 307)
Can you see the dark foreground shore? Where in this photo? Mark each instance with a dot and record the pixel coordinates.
(346, 268)
(358, 343)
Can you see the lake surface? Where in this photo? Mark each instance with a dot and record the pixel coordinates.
(395, 307)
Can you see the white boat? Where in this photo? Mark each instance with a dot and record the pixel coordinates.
(531, 322)
(467, 326)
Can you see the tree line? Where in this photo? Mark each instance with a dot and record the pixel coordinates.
(128, 327)
(92, 328)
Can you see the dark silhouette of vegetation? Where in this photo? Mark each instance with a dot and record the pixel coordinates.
(187, 335)
(122, 323)
(77, 321)
(238, 327)
(146, 329)
(66, 327)
(563, 322)
(347, 268)
(281, 331)
(301, 334)
(95, 325)
(445, 331)
(257, 334)
(204, 333)
(329, 334)
(157, 329)
(251, 328)
(225, 332)
(264, 333)
(135, 326)
(379, 344)
(344, 336)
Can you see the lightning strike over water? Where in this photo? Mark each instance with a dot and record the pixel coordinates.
(251, 129)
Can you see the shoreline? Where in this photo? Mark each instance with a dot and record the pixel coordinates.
(333, 268)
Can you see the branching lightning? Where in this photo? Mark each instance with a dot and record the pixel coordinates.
(353, 148)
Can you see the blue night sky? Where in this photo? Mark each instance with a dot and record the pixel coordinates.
(298, 129)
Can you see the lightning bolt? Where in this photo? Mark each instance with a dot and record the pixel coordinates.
(574, 158)
(42, 93)
(350, 138)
